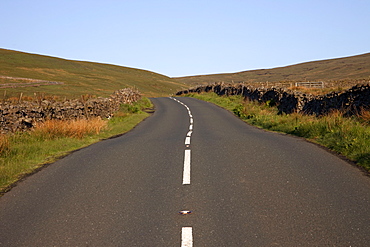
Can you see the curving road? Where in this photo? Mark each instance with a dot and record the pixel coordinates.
(243, 186)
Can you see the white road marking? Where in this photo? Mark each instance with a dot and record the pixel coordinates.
(186, 173)
(187, 140)
(187, 159)
(187, 232)
(187, 237)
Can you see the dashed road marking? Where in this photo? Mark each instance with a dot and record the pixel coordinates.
(186, 173)
(187, 237)
(187, 232)
(187, 140)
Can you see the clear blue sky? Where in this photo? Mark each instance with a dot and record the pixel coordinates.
(188, 37)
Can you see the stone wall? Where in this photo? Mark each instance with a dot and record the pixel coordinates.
(288, 101)
(25, 114)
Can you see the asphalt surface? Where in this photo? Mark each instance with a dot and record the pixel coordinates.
(248, 188)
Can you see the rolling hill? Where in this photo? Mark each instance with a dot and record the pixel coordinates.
(354, 67)
(27, 73)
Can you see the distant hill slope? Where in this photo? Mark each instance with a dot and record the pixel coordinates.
(354, 67)
(75, 77)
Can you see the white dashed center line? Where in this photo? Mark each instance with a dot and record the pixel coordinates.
(187, 232)
(187, 156)
(187, 237)
(186, 173)
(187, 140)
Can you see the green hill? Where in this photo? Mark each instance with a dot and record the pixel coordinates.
(75, 78)
(354, 67)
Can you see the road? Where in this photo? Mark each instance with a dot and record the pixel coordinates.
(244, 187)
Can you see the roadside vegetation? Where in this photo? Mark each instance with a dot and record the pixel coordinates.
(24, 153)
(349, 136)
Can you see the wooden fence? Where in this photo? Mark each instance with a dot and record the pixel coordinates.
(319, 84)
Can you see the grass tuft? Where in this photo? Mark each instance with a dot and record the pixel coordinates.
(364, 116)
(4, 144)
(52, 129)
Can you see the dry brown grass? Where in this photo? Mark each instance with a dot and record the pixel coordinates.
(4, 144)
(71, 128)
(364, 115)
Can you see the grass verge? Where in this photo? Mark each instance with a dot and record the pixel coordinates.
(24, 153)
(348, 136)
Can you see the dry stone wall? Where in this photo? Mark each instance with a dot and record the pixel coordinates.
(26, 114)
(288, 101)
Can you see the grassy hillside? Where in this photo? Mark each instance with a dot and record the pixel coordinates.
(354, 67)
(78, 77)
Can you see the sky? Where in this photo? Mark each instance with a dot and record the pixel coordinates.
(188, 37)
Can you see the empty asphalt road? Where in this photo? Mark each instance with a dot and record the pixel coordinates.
(236, 185)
